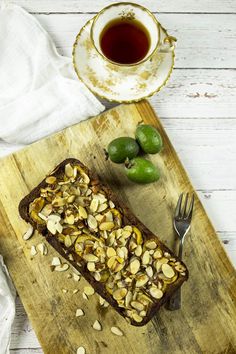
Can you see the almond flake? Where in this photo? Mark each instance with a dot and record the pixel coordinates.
(61, 268)
(64, 291)
(94, 205)
(81, 350)
(111, 204)
(28, 234)
(88, 290)
(85, 297)
(69, 171)
(33, 251)
(97, 325)
(82, 212)
(107, 225)
(116, 331)
(151, 244)
(91, 266)
(167, 270)
(76, 277)
(111, 252)
(156, 293)
(75, 291)
(56, 261)
(42, 249)
(119, 294)
(92, 222)
(145, 257)
(79, 313)
(134, 266)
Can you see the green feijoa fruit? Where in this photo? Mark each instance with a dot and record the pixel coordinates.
(149, 139)
(122, 148)
(140, 170)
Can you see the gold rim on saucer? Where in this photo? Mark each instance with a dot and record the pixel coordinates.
(103, 96)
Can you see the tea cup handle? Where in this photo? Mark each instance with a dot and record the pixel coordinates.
(168, 44)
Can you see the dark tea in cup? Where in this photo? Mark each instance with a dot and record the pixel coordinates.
(125, 41)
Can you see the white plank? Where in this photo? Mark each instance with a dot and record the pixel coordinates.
(204, 6)
(207, 149)
(204, 41)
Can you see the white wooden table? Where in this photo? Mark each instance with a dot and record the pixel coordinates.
(197, 107)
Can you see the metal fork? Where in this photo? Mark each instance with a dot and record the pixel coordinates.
(182, 220)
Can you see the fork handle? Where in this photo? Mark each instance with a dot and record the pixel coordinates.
(174, 302)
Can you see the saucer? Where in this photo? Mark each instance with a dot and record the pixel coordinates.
(119, 84)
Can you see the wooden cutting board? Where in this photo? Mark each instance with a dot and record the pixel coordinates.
(207, 321)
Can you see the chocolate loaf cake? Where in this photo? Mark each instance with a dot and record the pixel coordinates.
(84, 221)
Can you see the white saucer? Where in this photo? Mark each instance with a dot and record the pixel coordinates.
(130, 84)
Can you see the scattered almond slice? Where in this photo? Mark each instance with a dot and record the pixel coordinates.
(85, 297)
(88, 290)
(33, 251)
(103, 302)
(117, 331)
(75, 291)
(64, 291)
(97, 325)
(76, 277)
(56, 261)
(69, 276)
(28, 234)
(62, 268)
(81, 350)
(79, 313)
(42, 249)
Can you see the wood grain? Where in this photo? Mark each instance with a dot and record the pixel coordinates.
(187, 6)
(207, 318)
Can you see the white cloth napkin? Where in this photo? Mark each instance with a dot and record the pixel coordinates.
(39, 95)
(39, 90)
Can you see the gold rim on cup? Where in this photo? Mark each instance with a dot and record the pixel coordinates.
(158, 25)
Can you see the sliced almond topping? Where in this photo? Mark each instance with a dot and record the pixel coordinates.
(94, 205)
(119, 294)
(56, 261)
(111, 261)
(145, 257)
(151, 244)
(64, 291)
(81, 350)
(91, 266)
(180, 268)
(51, 226)
(82, 212)
(28, 234)
(136, 317)
(142, 313)
(79, 313)
(117, 331)
(85, 177)
(138, 251)
(167, 270)
(128, 298)
(75, 291)
(157, 254)
(149, 271)
(61, 268)
(71, 199)
(128, 228)
(88, 290)
(137, 305)
(97, 325)
(70, 219)
(51, 179)
(134, 266)
(111, 204)
(102, 207)
(97, 276)
(90, 258)
(69, 171)
(33, 251)
(141, 280)
(107, 225)
(92, 222)
(156, 293)
(111, 252)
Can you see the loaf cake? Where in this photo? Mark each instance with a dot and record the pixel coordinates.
(85, 222)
